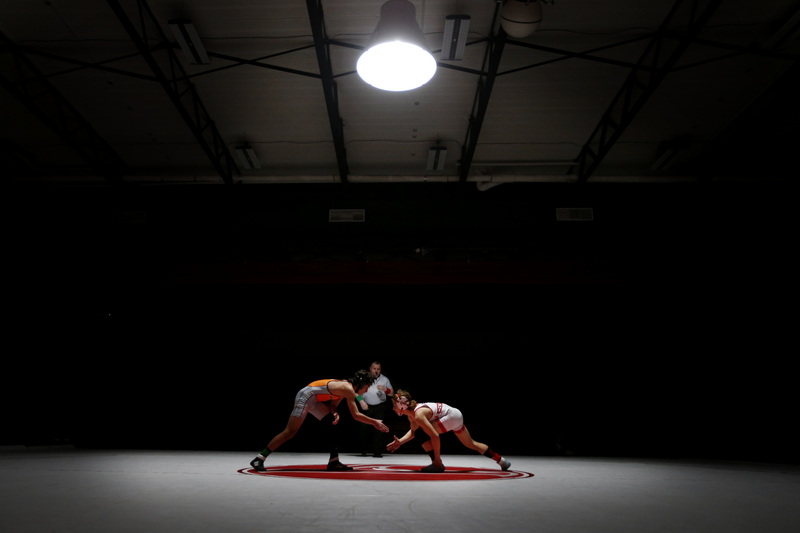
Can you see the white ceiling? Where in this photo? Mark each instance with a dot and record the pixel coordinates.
(537, 122)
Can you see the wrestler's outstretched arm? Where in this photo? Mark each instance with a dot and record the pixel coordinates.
(378, 424)
(345, 390)
(396, 443)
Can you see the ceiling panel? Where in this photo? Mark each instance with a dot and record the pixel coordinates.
(263, 87)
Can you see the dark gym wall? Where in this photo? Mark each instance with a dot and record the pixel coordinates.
(653, 330)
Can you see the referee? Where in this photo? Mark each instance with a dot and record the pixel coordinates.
(374, 406)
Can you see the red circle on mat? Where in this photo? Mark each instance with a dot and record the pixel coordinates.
(387, 473)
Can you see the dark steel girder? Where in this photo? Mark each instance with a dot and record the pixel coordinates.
(97, 65)
(329, 88)
(177, 85)
(486, 81)
(567, 54)
(258, 62)
(654, 64)
(34, 90)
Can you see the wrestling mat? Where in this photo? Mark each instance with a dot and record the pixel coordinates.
(377, 472)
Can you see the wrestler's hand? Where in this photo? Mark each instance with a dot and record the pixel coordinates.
(335, 418)
(392, 446)
(380, 426)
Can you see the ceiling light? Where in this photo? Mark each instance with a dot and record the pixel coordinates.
(397, 57)
(247, 157)
(436, 157)
(454, 40)
(189, 40)
(520, 18)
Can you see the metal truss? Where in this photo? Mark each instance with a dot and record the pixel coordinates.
(177, 85)
(566, 54)
(329, 87)
(30, 86)
(661, 54)
(486, 79)
(485, 85)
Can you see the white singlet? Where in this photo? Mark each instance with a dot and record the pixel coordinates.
(445, 418)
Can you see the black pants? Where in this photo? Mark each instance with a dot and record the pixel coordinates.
(373, 442)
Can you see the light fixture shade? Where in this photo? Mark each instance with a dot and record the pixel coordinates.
(521, 18)
(397, 56)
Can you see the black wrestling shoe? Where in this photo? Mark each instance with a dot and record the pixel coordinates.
(336, 466)
(432, 469)
(258, 464)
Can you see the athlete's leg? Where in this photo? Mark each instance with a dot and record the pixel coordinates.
(292, 426)
(467, 440)
(332, 432)
(433, 448)
(291, 429)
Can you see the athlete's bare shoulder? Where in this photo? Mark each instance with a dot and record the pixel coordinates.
(423, 411)
(342, 388)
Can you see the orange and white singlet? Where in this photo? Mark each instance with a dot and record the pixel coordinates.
(310, 399)
(320, 390)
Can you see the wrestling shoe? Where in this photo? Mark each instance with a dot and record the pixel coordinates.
(338, 467)
(504, 463)
(432, 469)
(258, 464)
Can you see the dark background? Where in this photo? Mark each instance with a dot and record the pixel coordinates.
(164, 318)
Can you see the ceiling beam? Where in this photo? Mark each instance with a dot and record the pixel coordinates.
(654, 64)
(567, 54)
(22, 79)
(258, 62)
(177, 85)
(329, 88)
(97, 65)
(494, 53)
(734, 51)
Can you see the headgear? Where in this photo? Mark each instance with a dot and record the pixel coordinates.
(401, 402)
